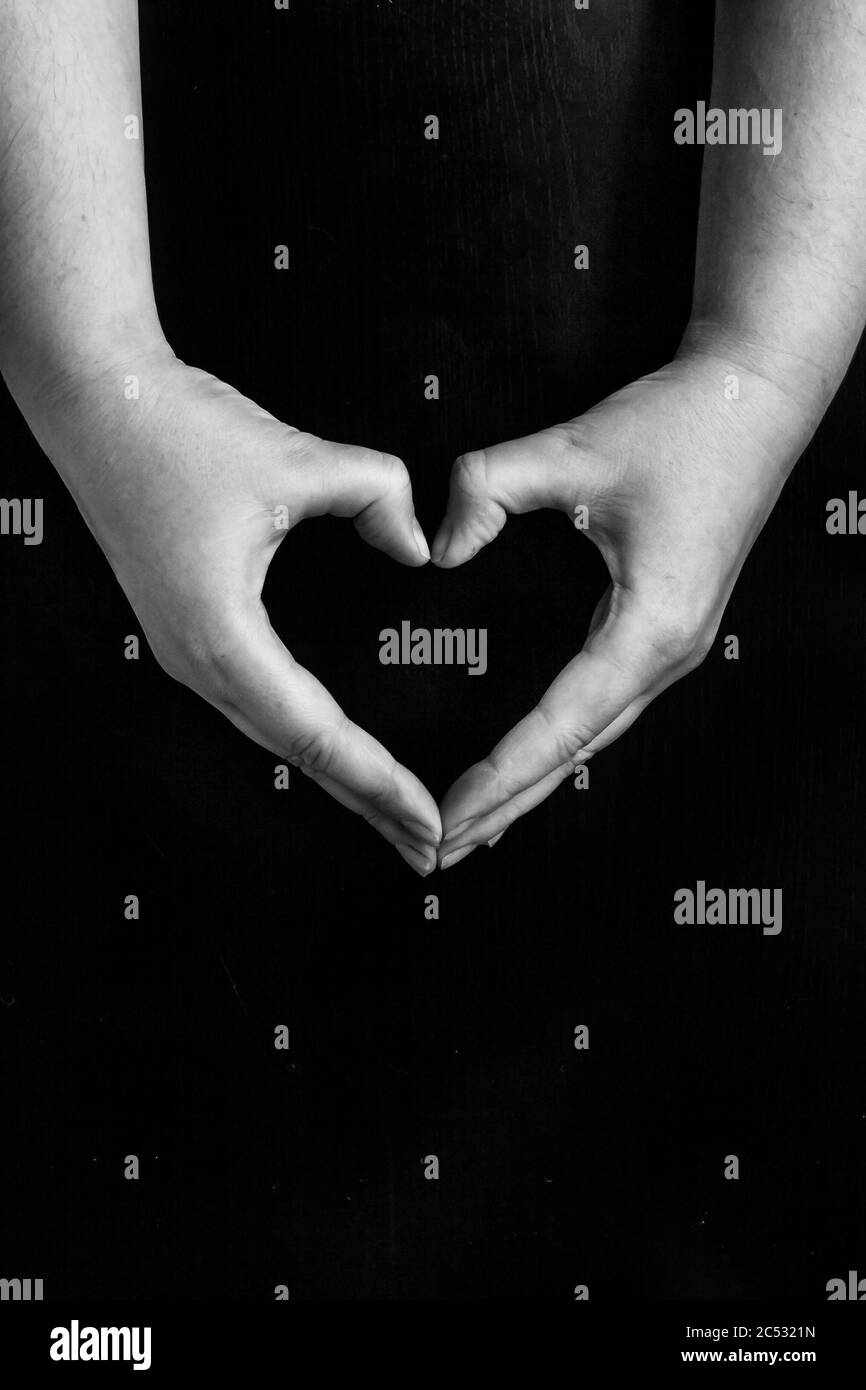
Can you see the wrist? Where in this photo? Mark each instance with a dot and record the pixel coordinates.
(801, 388)
(47, 372)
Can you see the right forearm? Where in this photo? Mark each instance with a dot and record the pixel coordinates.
(75, 279)
(780, 280)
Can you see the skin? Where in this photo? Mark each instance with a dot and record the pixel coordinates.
(678, 479)
(191, 488)
(183, 487)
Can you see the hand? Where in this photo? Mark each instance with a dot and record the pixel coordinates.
(189, 490)
(678, 481)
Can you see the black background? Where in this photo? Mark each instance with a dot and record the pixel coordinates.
(258, 907)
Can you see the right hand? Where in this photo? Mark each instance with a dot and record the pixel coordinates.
(189, 490)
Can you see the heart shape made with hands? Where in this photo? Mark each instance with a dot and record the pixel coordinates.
(669, 485)
(344, 759)
(352, 766)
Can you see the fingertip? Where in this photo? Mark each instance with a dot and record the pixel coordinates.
(423, 864)
(449, 562)
(450, 860)
(442, 542)
(458, 548)
(420, 541)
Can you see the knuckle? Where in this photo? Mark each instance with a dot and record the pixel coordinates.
(496, 780)
(680, 642)
(569, 442)
(313, 751)
(393, 473)
(579, 453)
(302, 458)
(671, 643)
(393, 469)
(469, 474)
(382, 796)
(565, 739)
(380, 474)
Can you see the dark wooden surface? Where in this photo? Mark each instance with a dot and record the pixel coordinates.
(411, 1037)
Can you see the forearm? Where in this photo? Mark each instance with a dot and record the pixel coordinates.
(75, 279)
(781, 258)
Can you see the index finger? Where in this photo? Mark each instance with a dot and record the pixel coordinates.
(281, 705)
(615, 673)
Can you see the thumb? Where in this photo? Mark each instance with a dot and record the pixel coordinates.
(375, 489)
(521, 475)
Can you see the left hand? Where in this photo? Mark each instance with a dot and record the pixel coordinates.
(678, 480)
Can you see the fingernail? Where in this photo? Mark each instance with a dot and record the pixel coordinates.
(495, 840)
(451, 859)
(458, 830)
(420, 540)
(442, 541)
(416, 860)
